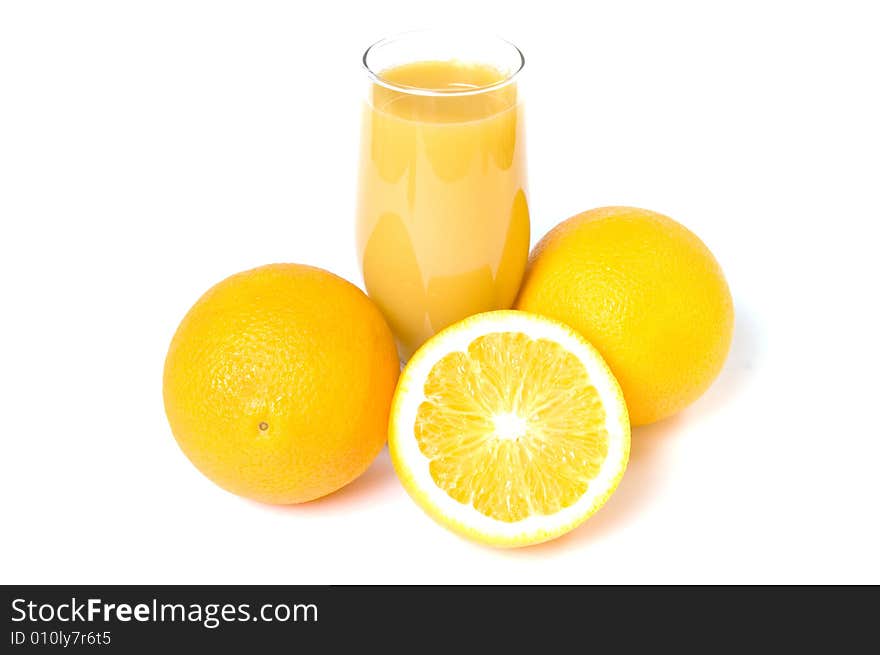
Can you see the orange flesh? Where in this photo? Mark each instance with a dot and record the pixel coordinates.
(513, 426)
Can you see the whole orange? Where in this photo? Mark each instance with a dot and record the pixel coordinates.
(646, 292)
(278, 383)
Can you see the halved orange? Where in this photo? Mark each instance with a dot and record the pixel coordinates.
(509, 428)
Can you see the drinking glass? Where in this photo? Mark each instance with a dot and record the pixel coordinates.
(443, 218)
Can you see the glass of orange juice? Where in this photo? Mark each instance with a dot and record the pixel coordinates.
(443, 218)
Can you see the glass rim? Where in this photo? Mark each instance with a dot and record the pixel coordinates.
(376, 77)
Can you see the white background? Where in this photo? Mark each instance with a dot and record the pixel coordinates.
(150, 149)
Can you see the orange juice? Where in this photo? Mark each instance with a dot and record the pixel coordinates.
(443, 220)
